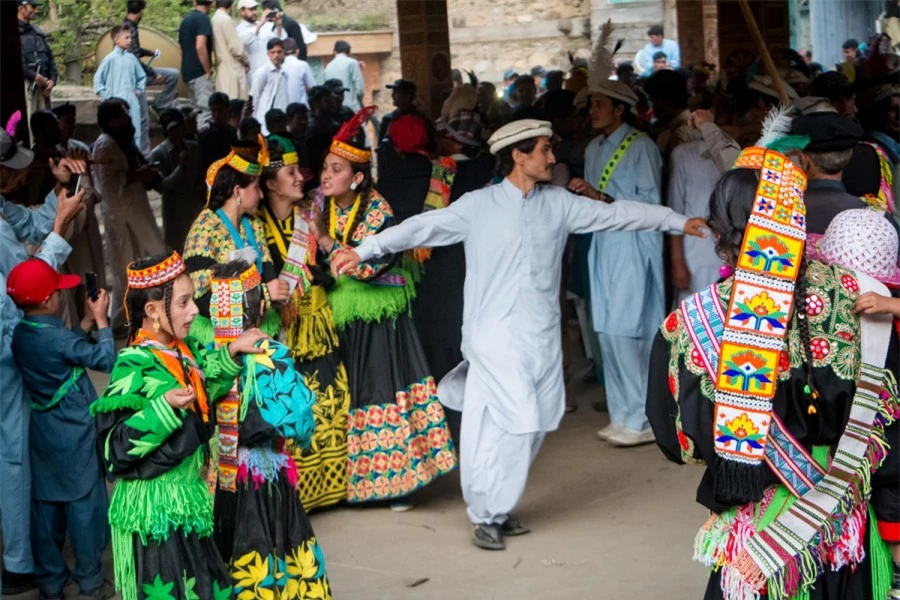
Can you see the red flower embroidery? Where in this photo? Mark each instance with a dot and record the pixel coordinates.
(399, 461)
(846, 335)
(380, 462)
(682, 440)
(375, 417)
(849, 282)
(382, 486)
(368, 441)
(392, 415)
(672, 389)
(784, 362)
(437, 438)
(696, 358)
(365, 489)
(359, 419)
(672, 322)
(820, 348)
(363, 466)
(386, 439)
(814, 305)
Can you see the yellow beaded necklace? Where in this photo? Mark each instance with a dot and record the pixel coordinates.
(350, 219)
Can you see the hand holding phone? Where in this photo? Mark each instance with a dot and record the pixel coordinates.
(74, 185)
(90, 282)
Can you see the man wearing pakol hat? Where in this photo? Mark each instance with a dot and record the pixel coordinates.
(831, 141)
(625, 268)
(18, 226)
(510, 385)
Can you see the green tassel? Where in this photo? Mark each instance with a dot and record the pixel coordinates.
(123, 563)
(202, 331)
(271, 324)
(107, 404)
(353, 300)
(880, 559)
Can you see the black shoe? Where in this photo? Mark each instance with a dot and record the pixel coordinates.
(17, 583)
(513, 526)
(488, 537)
(104, 592)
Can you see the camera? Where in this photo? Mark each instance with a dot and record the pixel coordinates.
(272, 16)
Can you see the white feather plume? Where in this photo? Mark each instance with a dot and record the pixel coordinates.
(602, 57)
(247, 254)
(776, 124)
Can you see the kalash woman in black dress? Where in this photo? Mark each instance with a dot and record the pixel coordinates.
(398, 439)
(261, 528)
(773, 382)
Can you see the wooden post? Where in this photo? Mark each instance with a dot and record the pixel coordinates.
(763, 51)
(425, 49)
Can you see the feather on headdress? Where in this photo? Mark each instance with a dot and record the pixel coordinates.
(13, 123)
(601, 65)
(342, 143)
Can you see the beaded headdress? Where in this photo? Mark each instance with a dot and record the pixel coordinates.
(341, 144)
(288, 154)
(246, 159)
(152, 276)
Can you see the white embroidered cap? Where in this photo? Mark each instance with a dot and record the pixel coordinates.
(523, 129)
(860, 239)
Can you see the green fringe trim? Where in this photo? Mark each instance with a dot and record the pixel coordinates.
(880, 559)
(107, 404)
(203, 333)
(153, 508)
(353, 300)
(786, 143)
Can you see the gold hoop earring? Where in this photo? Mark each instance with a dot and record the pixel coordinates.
(156, 325)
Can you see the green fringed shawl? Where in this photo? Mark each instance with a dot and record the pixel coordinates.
(153, 508)
(353, 300)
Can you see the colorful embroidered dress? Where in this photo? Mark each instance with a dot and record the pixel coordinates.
(850, 556)
(261, 527)
(313, 339)
(398, 438)
(161, 512)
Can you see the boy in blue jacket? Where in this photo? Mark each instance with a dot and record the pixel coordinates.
(68, 493)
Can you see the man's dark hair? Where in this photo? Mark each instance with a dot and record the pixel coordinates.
(247, 125)
(295, 108)
(133, 7)
(831, 163)
(523, 80)
(39, 121)
(342, 47)
(273, 117)
(117, 30)
(271, 5)
(505, 163)
(625, 68)
(290, 46)
(656, 30)
(851, 43)
(218, 99)
(236, 107)
(659, 55)
(668, 86)
(274, 42)
(224, 3)
(833, 85)
(109, 108)
(170, 115)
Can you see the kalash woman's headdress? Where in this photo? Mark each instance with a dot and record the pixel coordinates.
(822, 529)
(287, 157)
(152, 276)
(245, 157)
(341, 144)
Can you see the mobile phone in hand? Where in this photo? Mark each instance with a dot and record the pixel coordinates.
(74, 186)
(90, 282)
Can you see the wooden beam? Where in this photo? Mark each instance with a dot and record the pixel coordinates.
(764, 51)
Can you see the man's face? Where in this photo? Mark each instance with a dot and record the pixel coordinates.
(120, 121)
(298, 123)
(602, 112)
(660, 64)
(138, 17)
(67, 127)
(50, 136)
(402, 98)
(846, 106)
(525, 92)
(537, 165)
(219, 113)
(276, 55)
(850, 54)
(123, 40)
(656, 40)
(279, 126)
(27, 13)
(248, 14)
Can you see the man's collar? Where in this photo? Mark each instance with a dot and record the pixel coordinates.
(48, 319)
(826, 184)
(514, 192)
(618, 135)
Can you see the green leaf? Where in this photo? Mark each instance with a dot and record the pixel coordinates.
(159, 590)
(189, 585)
(120, 386)
(221, 594)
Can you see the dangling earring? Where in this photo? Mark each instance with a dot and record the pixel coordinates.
(238, 200)
(353, 186)
(156, 325)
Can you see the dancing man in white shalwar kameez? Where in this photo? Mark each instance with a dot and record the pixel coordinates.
(510, 386)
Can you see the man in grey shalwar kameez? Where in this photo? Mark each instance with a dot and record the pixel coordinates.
(510, 386)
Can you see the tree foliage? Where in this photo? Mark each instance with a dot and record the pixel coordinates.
(74, 26)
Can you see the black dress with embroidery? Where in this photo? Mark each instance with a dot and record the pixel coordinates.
(680, 409)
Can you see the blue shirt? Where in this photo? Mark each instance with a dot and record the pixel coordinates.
(668, 47)
(626, 273)
(63, 441)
